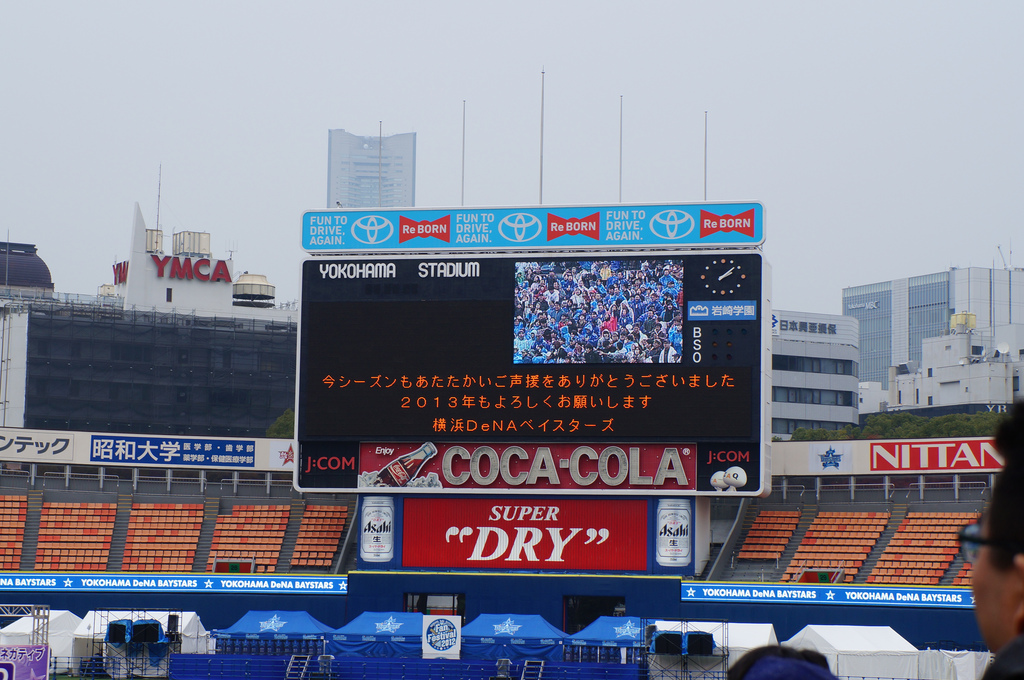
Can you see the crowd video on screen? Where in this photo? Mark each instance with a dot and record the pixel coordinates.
(598, 312)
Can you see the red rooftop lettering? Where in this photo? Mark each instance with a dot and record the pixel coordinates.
(120, 273)
(183, 268)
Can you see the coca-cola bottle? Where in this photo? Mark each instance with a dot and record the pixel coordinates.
(404, 469)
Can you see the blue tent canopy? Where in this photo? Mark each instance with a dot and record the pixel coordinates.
(611, 631)
(511, 636)
(275, 625)
(379, 634)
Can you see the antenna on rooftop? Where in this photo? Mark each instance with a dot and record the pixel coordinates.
(705, 156)
(159, 180)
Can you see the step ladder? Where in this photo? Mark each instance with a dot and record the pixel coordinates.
(532, 670)
(298, 667)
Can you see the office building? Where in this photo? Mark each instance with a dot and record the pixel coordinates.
(371, 172)
(896, 316)
(814, 372)
(177, 344)
(968, 370)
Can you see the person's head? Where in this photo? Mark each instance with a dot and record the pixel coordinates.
(778, 662)
(995, 545)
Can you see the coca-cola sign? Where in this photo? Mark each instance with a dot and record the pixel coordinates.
(481, 533)
(537, 468)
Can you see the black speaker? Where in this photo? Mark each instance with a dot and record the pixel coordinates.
(117, 632)
(668, 642)
(700, 643)
(146, 632)
(172, 624)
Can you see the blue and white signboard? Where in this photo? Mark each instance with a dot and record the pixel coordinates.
(174, 583)
(767, 593)
(442, 636)
(177, 451)
(719, 310)
(621, 226)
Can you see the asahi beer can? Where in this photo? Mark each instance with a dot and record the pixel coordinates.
(377, 529)
(673, 532)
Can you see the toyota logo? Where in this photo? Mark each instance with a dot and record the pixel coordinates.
(372, 229)
(672, 224)
(520, 227)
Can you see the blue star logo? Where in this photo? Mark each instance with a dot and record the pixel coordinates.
(506, 627)
(629, 630)
(388, 626)
(690, 592)
(274, 623)
(830, 458)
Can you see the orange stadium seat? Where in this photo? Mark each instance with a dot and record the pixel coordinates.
(250, 532)
(319, 535)
(75, 536)
(921, 550)
(837, 540)
(162, 536)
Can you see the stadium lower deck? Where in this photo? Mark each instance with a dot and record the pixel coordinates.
(895, 550)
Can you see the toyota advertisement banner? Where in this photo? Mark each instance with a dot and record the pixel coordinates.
(533, 534)
(622, 226)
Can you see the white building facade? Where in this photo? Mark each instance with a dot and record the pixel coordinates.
(965, 371)
(814, 372)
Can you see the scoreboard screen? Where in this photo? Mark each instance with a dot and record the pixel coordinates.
(608, 349)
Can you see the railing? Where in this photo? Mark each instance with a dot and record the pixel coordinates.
(240, 667)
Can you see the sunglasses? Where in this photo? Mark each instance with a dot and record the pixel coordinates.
(971, 542)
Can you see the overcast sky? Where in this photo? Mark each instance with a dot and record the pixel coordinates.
(884, 139)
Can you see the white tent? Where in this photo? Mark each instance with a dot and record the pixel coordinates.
(863, 651)
(61, 634)
(943, 664)
(93, 629)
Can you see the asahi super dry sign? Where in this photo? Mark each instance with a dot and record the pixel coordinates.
(480, 533)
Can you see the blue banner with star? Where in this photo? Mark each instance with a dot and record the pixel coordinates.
(950, 598)
(177, 583)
